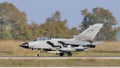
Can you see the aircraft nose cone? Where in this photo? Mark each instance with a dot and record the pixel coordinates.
(25, 45)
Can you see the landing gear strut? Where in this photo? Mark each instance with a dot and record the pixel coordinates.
(38, 52)
(69, 54)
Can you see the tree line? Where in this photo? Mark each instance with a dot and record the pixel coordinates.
(14, 26)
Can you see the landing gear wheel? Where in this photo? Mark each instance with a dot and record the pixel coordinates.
(38, 55)
(69, 54)
(61, 54)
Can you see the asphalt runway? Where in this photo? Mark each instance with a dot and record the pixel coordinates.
(49, 58)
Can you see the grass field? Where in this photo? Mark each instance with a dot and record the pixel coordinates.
(59, 63)
(11, 48)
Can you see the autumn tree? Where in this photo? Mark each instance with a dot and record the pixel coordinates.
(56, 16)
(14, 21)
(100, 15)
(55, 27)
(36, 30)
(4, 33)
(74, 31)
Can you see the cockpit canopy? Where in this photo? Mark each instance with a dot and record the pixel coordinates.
(41, 39)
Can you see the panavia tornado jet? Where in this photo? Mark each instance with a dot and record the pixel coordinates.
(60, 46)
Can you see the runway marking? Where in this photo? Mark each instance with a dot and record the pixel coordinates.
(49, 58)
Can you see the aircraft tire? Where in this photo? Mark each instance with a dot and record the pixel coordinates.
(61, 54)
(69, 54)
(38, 55)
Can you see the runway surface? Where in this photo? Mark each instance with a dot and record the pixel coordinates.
(49, 58)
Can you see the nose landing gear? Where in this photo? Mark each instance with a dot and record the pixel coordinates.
(39, 53)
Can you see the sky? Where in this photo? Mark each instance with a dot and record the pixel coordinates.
(38, 10)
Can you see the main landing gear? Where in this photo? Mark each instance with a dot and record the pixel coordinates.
(61, 54)
(68, 53)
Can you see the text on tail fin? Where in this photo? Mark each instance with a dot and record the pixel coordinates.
(90, 33)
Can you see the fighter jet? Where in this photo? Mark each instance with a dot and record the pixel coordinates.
(80, 42)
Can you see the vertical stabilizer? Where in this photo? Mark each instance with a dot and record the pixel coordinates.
(89, 33)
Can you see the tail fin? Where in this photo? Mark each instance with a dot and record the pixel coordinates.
(89, 33)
